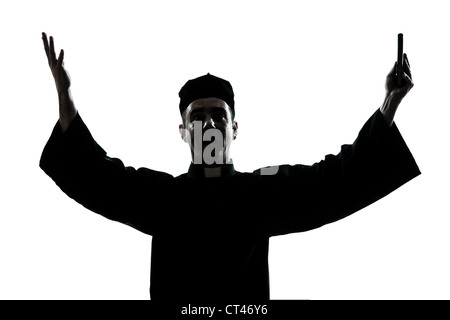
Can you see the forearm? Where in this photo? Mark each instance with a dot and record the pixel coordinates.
(67, 110)
(388, 109)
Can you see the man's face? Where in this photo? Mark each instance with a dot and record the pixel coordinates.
(209, 130)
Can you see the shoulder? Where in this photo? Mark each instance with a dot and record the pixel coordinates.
(146, 173)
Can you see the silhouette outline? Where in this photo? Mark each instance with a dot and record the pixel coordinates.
(211, 226)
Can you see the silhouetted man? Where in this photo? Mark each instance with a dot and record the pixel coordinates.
(211, 226)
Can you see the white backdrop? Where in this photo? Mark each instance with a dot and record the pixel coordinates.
(306, 76)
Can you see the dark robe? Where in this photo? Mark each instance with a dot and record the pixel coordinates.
(210, 236)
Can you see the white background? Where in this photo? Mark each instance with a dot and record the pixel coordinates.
(306, 75)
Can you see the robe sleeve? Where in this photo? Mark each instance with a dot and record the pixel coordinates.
(82, 170)
(305, 197)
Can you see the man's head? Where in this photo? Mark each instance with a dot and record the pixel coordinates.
(206, 86)
(207, 111)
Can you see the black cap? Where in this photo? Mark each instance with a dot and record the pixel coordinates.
(207, 86)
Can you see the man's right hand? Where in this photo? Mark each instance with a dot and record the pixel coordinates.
(67, 111)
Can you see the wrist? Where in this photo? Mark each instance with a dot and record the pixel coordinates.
(389, 106)
(67, 110)
(64, 93)
(388, 109)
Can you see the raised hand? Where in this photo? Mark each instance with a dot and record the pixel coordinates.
(67, 110)
(391, 86)
(394, 93)
(62, 79)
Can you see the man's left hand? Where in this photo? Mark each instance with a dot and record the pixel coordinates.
(394, 93)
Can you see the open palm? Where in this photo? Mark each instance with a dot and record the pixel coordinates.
(61, 76)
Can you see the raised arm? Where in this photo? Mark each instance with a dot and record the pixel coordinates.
(299, 198)
(83, 170)
(67, 110)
